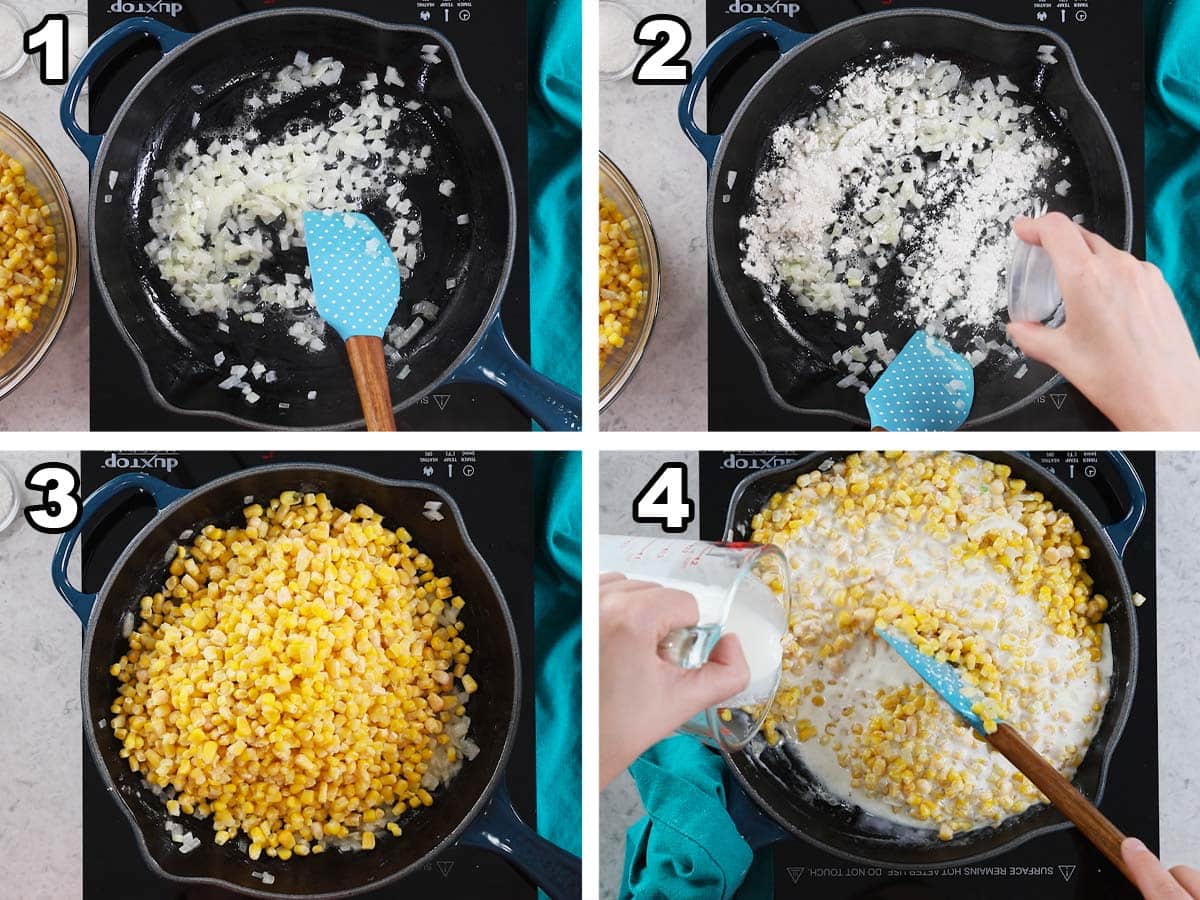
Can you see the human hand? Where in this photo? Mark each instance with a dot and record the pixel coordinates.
(1152, 877)
(1124, 343)
(643, 698)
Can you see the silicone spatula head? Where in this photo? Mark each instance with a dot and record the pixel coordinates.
(356, 281)
(942, 677)
(927, 387)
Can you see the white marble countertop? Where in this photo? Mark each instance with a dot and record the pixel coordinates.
(639, 131)
(41, 818)
(55, 396)
(623, 474)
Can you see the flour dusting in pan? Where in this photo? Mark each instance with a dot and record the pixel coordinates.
(908, 175)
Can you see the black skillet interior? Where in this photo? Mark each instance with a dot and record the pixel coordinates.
(795, 346)
(778, 780)
(178, 349)
(493, 664)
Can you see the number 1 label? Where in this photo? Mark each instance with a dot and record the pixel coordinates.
(48, 39)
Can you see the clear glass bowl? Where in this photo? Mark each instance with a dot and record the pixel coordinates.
(10, 497)
(619, 366)
(13, 56)
(28, 350)
(618, 52)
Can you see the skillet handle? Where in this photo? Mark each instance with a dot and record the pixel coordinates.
(494, 362)
(757, 828)
(786, 39)
(1121, 532)
(163, 495)
(500, 830)
(168, 39)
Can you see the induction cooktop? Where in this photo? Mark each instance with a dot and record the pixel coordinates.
(482, 484)
(1106, 38)
(1058, 866)
(487, 37)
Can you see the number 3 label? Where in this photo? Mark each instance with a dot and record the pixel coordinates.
(59, 509)
(664, 500)
(670, 38)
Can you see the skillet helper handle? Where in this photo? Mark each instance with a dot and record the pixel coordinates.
(168, 39)
(494, 362)
(371, 379)
(163, 495)
(1087, 818)
(1122, 532)
(500, 830)
(756, 828)
(786, 39)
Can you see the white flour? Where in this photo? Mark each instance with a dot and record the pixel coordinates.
(909, 168)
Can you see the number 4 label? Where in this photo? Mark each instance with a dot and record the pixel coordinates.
(664, 500)
(670, 38)
(60, 506)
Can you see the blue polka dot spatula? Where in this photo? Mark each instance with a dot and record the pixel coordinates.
(356, 284)
(982, 715)
(927, 387)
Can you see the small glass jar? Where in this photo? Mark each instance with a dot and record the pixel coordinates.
(12, 44)
(618, 51)
(10, 498)
(77, 45)
(1033, 292)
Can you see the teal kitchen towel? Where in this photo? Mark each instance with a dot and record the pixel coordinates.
(557, 638)
(1173, 148)
(687, 847)
(555, 115)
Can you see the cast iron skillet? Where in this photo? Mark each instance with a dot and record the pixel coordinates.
(176, 350)
(792, 347)
(473, 809)
(773, 795)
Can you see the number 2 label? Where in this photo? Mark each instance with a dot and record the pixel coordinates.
(664, 500)
(670, 38)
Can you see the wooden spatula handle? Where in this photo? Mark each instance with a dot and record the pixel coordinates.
(1064, 795)
(371, 379)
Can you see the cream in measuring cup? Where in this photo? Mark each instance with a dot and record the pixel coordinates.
(740, 589)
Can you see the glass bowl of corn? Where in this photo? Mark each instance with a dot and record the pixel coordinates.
(38, 261)
(629, 280)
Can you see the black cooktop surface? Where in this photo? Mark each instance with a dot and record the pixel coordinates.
(1058, 866)
(1106, 38)
(488, 37)
(493, 491)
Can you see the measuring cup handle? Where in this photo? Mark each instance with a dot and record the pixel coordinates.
(168, 39)
(785, 39)
(1120, 533)
(688, 648)
(162, 493)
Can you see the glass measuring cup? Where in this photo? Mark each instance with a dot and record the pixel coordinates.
(1033, 292)
(740, 589)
